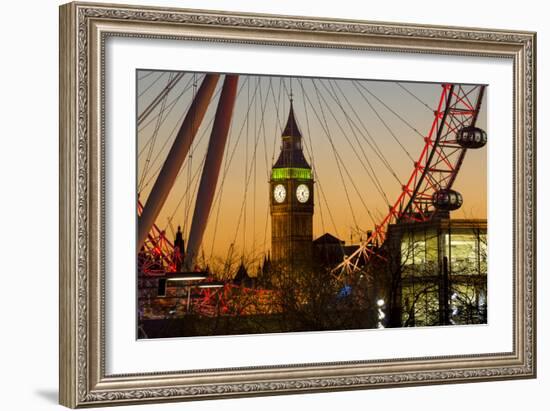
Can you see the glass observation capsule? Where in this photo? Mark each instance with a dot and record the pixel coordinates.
(471, 137)
(447, 200)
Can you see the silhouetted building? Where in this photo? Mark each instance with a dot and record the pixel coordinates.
(266, 266)
(179, 249)
(242, 278)
(328, 250)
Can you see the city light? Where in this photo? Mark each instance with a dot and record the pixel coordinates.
(213, 284)
(186, 276)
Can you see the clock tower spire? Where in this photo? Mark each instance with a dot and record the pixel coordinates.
(291, 199)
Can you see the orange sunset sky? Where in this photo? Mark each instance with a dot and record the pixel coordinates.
(334, 147)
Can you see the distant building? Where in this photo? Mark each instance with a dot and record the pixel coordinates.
(242, 278)
(291, 201)
(328, 250)
(438, 272)
(179, 249)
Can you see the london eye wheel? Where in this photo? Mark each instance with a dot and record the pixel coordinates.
(428, 189)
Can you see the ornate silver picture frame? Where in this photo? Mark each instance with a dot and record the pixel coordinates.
(85, 28)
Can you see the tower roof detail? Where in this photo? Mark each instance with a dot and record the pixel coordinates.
(291, 129)
(291, 155)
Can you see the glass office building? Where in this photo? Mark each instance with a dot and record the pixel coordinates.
(439, 272)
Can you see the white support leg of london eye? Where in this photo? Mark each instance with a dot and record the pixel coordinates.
(169, 171)
(211, 170)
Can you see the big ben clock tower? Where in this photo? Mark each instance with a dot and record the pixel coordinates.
(291, 199)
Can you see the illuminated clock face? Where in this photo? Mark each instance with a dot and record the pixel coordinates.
(302, 193)
(279, 193)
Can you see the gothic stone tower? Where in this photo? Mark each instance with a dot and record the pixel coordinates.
(291, 199)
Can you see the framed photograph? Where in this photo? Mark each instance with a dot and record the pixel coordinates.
(261, 204)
